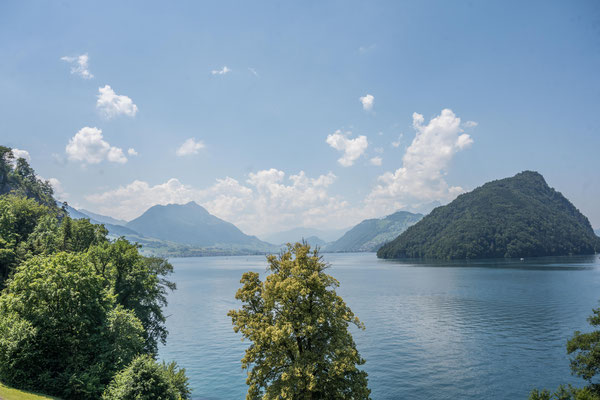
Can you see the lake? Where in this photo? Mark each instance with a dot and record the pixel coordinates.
(449, 330)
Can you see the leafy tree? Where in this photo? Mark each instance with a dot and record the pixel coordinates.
(19, 217)
(298, 326)
(138, 283)
(61, 330)
(584, 349)
(145, 379)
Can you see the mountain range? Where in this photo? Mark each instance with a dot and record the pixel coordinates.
(371, 234)
(519, 216)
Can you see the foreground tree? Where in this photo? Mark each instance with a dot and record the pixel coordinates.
(145, 379)
(584, 349)
(61, 331)
(298, 326)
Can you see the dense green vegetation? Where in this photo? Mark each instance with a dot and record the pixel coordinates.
(584, 349)
(513, 217)
(370, 234)
(76, 308)
(298, 329)
(144, 378)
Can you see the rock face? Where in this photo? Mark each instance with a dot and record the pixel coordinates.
(190, 224)
(370, 234)
(514, 217)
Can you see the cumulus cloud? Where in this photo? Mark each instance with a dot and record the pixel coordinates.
(268, 200)
(111, 104)
(367, 102)
(79, 65)
(420, 180)
(352, 148)
(221, 71)
(470, 124)
(59, 191)
(88, 146)
(189, 147)
(376, 161)
(132, 152)
(18, 153)
(398, 142)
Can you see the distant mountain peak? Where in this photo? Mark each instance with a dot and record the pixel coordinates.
(190, 224)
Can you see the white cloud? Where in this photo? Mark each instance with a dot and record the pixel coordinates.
(111, 104)
(221, 71)
(352, 148)
(59, 192)
(189, 147)
(470, 124)
(132, 152)
(88, 146)
(79, 65)
(379, 150)
(367, 102)
(376, 161)
(268, 200)
(18, 153)
(420, 180)
(398, 142)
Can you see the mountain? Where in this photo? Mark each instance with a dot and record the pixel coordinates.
(191, 224)
(519, 216)
(114, 230)
(597, 232)
(103, 219)
(296, 235)
(370, 234)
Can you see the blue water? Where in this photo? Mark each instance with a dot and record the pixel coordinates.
(463, 330)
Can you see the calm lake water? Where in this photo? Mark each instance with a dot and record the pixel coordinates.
(465, 330)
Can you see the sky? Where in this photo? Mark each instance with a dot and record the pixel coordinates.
(275, 115)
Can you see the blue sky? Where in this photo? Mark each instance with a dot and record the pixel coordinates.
(280, 137)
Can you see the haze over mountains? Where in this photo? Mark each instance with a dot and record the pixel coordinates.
(371, 234)
(191, 224)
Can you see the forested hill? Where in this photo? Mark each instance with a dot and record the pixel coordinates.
(17, 177)
(370, 234)
(513, 217)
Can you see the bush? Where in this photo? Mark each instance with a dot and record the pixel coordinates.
(145, 379)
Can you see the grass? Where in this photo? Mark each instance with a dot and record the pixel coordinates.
(7, 393)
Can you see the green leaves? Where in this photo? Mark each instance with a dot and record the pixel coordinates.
(145, 379)
(298, 326)
(61, 330)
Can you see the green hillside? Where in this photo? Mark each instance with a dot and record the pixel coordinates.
(370, 234)
(513, 217)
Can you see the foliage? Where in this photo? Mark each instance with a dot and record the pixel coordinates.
(513, 217)
(61, 330)
(18, 177)
(138, 283)
(298, 326)
(584, 349)
(565, 393)
(145, 379)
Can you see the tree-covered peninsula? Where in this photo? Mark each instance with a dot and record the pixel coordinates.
(519, 216)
